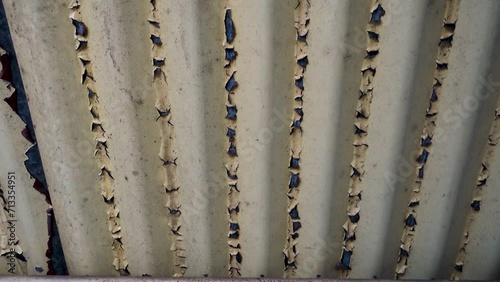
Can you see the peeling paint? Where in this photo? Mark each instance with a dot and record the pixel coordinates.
(231, 158)
(440, 72)
(186, 148)
(368, 71)
(475, 205)
(5, 247)
(167, 151)
(101, 152)
(301, 59)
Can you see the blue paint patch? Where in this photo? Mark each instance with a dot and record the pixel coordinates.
(231, 54)
(231, 84)
(229, 25)
(294, 162)
(294, 213)
(299, 111)
(156, 40)
(345, 261)
(231, 112)
(299, 82)
(377, 14)
(303, 62)
(232, 150)
(476, 205)
(234, 235)
(354, 218)
(80, 28)
(426, 142)
(421, 172)
(230, 132)
(296, 124)
(434, 96)
(294, 180)
(296, 226)
(423, 157)
(410, 221)
(372, 35)
(231, 176)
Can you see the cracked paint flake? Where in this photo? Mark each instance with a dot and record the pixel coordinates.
(440, 72)
(101, 152)
(368, 71)
(167, 151)
(301, 59)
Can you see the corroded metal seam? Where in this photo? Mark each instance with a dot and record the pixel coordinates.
(101, 146)
(301, 59)
(231, 158)
(440, 73)
(167, 151)
(368, 71)
(475, 205)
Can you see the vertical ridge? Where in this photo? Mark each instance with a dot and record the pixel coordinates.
(440, 72)
(231, 158)
(293, 225)
(101, 147)
(368, 71)
(167, 152)
(475, 205)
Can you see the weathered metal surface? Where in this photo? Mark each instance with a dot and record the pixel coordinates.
(176, 136)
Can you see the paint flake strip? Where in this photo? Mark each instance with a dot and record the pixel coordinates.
(360, 145)
(167, 151)
(101, 152)
(231, 157)
(481, 184)
(301, 60)
(440, 72)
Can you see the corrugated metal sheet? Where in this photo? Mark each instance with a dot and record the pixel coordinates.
(175, 137)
